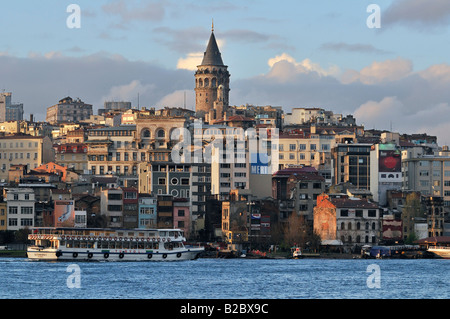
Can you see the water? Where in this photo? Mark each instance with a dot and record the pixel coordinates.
(227, 279)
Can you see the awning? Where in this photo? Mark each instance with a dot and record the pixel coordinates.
(331, 242)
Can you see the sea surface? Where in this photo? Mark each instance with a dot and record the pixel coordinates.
(21, 278)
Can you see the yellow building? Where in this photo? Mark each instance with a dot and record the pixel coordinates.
(22, 149)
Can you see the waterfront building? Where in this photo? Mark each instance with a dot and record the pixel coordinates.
(130, 213)
(20, 208)
(351, 221)
(182, 215)
(3, 216)
(147, 210)
(111, 206)
(68, 110)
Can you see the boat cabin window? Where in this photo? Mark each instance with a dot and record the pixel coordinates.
(163, 233)
(131, 234)
(141, 234)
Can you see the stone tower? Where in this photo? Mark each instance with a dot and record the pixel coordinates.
(211, 76)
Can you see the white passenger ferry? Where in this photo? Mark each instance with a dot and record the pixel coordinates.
(441, 251)
(50, 243)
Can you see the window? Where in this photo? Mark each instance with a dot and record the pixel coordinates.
(130, 195)
(185, 181)
(115, 208)
(161, 181)
(372, 213)
(26, 210)
(344, 212)
(113, 196)
(12, 210)
(181, 212)
(292, 147)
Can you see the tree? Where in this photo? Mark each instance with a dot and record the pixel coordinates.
(295, 230)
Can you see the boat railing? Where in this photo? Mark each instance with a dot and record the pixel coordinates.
(440, 247)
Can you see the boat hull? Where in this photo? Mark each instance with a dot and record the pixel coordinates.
(441, 252)
(84, 255)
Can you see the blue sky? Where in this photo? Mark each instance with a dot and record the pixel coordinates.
(290, 53)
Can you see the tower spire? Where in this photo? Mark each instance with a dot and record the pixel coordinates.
(212, 25)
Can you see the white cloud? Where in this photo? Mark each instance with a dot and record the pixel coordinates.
(190, 62)
(179, 98)
(128, 92)
(285, 68)
(378, 72)
(379, 115)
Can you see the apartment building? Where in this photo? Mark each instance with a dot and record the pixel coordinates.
(10, 111)
(350, 221)
(68, 110)
(111, 206)
(72, 156)
(147, 210)
(385, 170)
(20, 208)
(351, 164)
(428, 174)
(114, 151)
(22, 149)
(311, 146)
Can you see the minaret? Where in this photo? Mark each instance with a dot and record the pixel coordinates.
(211, 74)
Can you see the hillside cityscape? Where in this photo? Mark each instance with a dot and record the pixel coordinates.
(247, 176)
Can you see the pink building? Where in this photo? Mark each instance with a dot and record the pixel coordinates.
(182, 215)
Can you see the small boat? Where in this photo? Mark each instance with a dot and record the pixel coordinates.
(297, 254)
(441, 251)
(83, 244)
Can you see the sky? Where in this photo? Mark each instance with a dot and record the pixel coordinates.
(390, 73)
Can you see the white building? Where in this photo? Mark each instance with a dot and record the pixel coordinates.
(428, 174)
(20, 208)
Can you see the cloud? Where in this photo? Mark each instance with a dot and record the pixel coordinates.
(128, 92)
(150, 11)
(356, 48)
(377, 72)
(379, 94)
(191, 61)
(422, 14)
(179, 98)
(40, 80)
(284, 68)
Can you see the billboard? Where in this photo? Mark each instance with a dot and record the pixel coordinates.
(390, 161)
(64, 213)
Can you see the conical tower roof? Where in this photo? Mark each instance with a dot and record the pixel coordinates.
(212, 54)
